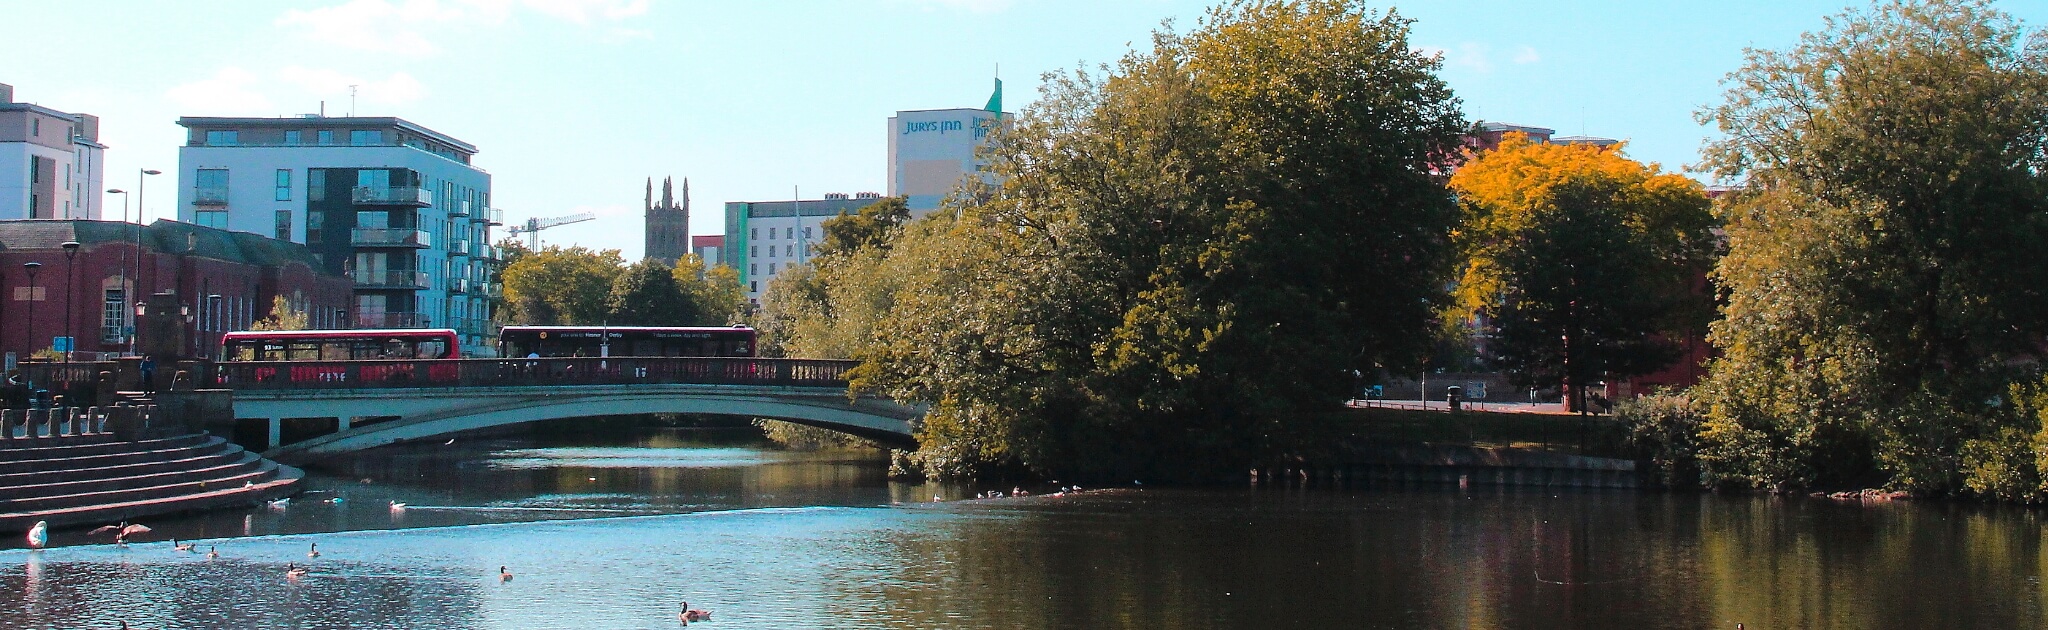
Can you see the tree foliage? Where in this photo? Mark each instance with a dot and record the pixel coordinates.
(1185, 253)
(716, 292)
(284, 315)
(872, 226)
(828, 307)
(1884, 274)
(1580, 259)
(557, 286)
(646, 294)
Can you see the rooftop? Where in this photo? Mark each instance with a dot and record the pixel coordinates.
(165, 236)
(316, 120)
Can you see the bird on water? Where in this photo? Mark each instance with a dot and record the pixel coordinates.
(39, 536)
(504, 575)
(313, 551)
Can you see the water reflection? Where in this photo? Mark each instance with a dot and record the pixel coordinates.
(1157, 558)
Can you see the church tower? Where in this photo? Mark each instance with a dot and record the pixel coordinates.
(668, 222)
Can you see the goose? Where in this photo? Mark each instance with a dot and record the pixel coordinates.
(186, 547)
(504, 575)
(294, 571)
(692, 614)
(313, 551)
(121, 532)
(210, 553)
(39, 536)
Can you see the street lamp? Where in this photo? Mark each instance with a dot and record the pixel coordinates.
(70, 288)
(139, 199)
(128, 290)
(31, 268)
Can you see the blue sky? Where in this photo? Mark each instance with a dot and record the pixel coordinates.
(574, 103)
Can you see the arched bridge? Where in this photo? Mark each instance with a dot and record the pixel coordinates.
(308, 410)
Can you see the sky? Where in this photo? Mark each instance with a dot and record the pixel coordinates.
(573, 104)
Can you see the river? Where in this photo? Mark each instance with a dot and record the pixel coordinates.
(617, 536)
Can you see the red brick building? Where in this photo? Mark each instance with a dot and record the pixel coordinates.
(116, 263)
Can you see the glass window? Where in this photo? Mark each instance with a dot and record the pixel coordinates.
(327, 137)
(316, 184)
(754, 268)
(284, 184)
(756, 233)
(771, 269)
(755, 251)
(373, 178)
(222, 138)
(284, 225)
(213, 178)
(807, 232)
(294, 137)
(753, 287)
(365, 138)
(211, 218)
(114, 317)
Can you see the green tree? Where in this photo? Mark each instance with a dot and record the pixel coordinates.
(557, 286)
(1582, 261)
(716, 292)
(646, 294)
(1884, 274)
(1184, 255)
(874, 225)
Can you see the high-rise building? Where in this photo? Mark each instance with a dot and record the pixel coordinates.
(762, 238)
(50, 162)
(396, 206)
(668, 222)
(708, 248)
(932, 150)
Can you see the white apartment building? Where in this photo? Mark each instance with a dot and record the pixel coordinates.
(51, 162)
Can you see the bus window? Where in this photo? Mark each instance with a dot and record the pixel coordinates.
(301, 351)
(242, 352)
(432, 349)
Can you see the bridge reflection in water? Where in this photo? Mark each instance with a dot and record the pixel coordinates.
(337, 407)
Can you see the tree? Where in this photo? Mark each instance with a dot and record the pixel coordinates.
(284, 315)
(646, 294)
(1884, 277)
(716, 292)
(872, 226)
(1581, 260)
(557, 286)
(1184, 256)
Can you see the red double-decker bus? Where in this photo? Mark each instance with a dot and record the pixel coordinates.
(315, 347)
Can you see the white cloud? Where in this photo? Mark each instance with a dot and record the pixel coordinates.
(398, 89)
(229, 92)
(1471, 56)
(584, 11)
(1527, 55)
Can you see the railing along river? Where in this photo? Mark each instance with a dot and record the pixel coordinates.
(386, 374)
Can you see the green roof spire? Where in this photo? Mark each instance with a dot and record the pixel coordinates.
(995, 101)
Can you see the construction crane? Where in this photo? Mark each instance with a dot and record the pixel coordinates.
(535, 225)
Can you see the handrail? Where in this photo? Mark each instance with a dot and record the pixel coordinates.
(512, 371)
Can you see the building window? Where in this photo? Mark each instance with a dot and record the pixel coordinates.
(753, 287)
(756, 251)
(757, 234)
(294, 137)
(314, 220)
(365, 138)
(316, 184)
(284, 225)
(771, 269)
(754, 268)
(212, 183)
(326, 137)
(35, 126)
(222, 138)
(807, 232)
(114, 317)
(284, 184)
(211, 218)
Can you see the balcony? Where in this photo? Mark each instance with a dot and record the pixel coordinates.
(493, 216)
(384, 279)
(491, 290)
(392, 196)
(391, 237)
(391, 320)
(459, 209)
(458, 286)
(210, 195)
(458, 247)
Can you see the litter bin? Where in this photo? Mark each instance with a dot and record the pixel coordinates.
(1452, 395)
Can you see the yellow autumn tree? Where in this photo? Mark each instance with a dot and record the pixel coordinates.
(1576, 258)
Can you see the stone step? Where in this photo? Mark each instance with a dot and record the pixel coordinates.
(240, 464)
(21, 442)
(283, 481)
(201, 458)
(37, 449)
(261, 473)
(124, 453)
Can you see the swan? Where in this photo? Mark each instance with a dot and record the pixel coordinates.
(210, 553)
(397, 507)
(186, 547)
(39, 536)
(279, 504)
(313, 551)
(504, 575)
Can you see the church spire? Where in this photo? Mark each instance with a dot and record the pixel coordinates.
(650, 194)
(686, 196)
(668, 192)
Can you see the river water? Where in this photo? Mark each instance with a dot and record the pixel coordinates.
(617, 536)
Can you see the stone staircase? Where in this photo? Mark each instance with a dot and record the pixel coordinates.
(104, 465)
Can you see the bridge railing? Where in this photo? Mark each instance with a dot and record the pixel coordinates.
(381, 374)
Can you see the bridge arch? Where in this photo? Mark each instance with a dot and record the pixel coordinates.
(883, 422)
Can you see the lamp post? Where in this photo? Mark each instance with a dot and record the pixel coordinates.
(139, 199)
(31, 268)
(70, 289)
(127, 289)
